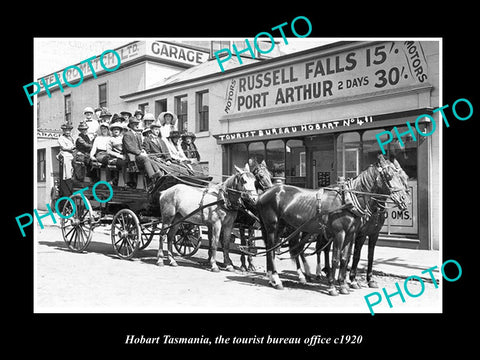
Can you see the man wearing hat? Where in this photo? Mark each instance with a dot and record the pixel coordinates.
(92, 124)
(153, 144)
(132, 144)
(67, 147)
(188, 146)
(83, 144)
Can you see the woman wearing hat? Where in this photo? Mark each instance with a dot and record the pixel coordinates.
(99, 147)
(148, 119)
(174, 147)
(188, 146)
(115, 149)
(168, 122)
(67, 147)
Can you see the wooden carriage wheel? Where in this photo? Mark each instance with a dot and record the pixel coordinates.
(147, 235)
(188, 239)
(125, 233)
(77, 230)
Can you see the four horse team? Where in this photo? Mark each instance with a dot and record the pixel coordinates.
(341, 216)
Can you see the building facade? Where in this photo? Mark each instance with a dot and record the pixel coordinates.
(314, 115)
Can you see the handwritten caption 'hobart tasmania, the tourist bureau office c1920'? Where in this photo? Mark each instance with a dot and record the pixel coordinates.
(75, 73)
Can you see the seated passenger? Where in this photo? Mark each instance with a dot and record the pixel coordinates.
(99, 147)
(115, 151)
(115, 146)
(93, 126)
(168, 122)
(83, 144)
(154, 144)
(132, 144)
(189, 148)
(174, 148)
(67, 147)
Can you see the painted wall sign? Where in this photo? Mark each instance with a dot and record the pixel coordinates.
(379, 67)
(48, 134)
(176, 53)
(252, 135)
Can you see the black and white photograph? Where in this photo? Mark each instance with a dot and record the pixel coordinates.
(238, 167)
(267, 184)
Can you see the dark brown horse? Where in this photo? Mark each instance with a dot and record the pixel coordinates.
(371, 228)
(337, 213)
(371, 225)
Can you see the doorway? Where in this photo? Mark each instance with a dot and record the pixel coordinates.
(321, 160)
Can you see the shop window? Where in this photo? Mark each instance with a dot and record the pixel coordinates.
(276, 157)
(295, 163)
(202, 111)
(348, 154)
(41, 165)
(239, 156)
(181, 111)
(371, 149)
(256, 151)
(406, 155)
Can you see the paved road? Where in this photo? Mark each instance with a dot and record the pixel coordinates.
(98, 281)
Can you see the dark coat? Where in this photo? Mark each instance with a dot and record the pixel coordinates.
(155, 145)
(132, 142)
(190, 151)
(83, 144)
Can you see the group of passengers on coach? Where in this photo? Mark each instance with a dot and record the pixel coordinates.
(118, 139)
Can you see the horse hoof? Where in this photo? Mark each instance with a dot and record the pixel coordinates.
(215, 269)
(173, 263)
(303, 281)
(230, 268)
(251, 268)
(373, 284)
(160, 263)
(332, 292)
(354, 285)
(344, 290)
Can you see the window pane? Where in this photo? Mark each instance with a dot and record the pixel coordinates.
(41, 168)
(181, 110)
(295, 168)
(348, 154)
(102, 95)
(276, 157)
(202, 110)
(256, 151)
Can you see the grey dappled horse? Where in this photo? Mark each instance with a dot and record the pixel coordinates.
(180, 200)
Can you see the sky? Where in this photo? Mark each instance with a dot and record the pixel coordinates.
(54, 54)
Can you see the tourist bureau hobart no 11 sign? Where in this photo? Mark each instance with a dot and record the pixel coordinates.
(382, 66)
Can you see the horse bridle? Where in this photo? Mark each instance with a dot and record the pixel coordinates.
(238, 201)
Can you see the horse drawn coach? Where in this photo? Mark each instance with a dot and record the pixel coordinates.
(177, 203)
